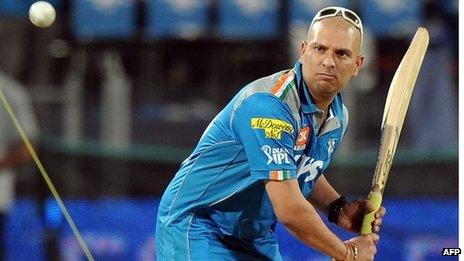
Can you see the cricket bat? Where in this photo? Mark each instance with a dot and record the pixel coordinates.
(396, 106)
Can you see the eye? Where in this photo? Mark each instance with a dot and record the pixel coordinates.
(343, 54)
(318, 48)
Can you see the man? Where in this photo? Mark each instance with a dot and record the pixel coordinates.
(262, 159)
(13, 152)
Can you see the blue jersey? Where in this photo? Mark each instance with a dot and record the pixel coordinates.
(268, 131)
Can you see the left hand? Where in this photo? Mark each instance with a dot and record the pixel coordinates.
(353, 212)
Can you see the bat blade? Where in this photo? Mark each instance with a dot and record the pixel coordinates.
(396, 106)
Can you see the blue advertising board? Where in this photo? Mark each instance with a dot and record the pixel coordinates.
(123, 229)
(177, 18)
(96, 19)
(241, 19)
(302, 11)
(20, 8)
(391, 18)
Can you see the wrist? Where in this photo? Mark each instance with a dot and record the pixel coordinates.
(349, 253)
(352, 250)
(342, 257)
(335, 208)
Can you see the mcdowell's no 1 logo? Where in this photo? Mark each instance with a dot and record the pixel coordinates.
(272, 127)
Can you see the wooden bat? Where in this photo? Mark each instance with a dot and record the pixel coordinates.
(396, 106)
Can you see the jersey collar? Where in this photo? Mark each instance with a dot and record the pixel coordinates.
(307, 104)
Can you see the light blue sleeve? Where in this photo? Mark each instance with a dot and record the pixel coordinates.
(264, 125)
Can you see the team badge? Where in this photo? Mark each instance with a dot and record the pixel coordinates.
(330, 146)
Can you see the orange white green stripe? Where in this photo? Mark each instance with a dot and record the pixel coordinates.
(279, 174)
(284, 84)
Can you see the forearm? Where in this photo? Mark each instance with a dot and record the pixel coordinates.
(323, 194)
(302, 219)
(306, 225)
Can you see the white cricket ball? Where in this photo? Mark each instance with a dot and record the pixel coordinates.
(42, 14)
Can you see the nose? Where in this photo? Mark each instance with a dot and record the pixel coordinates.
(328, 60)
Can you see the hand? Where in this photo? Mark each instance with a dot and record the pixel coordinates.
(366, 246)
(352, 216)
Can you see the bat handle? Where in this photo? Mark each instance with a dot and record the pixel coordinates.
(375, 197)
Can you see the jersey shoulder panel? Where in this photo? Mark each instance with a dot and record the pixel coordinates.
(281, 85)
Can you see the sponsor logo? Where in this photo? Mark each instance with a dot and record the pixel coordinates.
(272, 127)
(276, 155)
(450, 251)
(310, 166)
(303, 138)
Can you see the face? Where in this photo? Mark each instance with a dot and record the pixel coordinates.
(330, 56)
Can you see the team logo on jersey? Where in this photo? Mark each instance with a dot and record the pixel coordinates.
(303, 138)
(330, 146)
(272, 127)
(276, 155)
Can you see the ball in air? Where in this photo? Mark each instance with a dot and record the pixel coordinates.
(42, 14)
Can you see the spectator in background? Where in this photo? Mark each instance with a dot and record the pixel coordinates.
(432, 120)
(13, 151)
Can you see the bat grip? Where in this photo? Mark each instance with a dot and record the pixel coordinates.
(375, 197)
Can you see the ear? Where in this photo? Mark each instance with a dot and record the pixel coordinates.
(303, 47)
(359, 63)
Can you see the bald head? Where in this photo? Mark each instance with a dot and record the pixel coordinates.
(338, 27)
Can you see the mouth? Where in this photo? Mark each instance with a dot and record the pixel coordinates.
(327, 76)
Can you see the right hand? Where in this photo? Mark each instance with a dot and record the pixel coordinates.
(351, 217)
(366, 245)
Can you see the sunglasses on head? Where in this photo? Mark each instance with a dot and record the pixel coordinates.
(347, 14)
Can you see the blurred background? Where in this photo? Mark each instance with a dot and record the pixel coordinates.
(123, 89)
